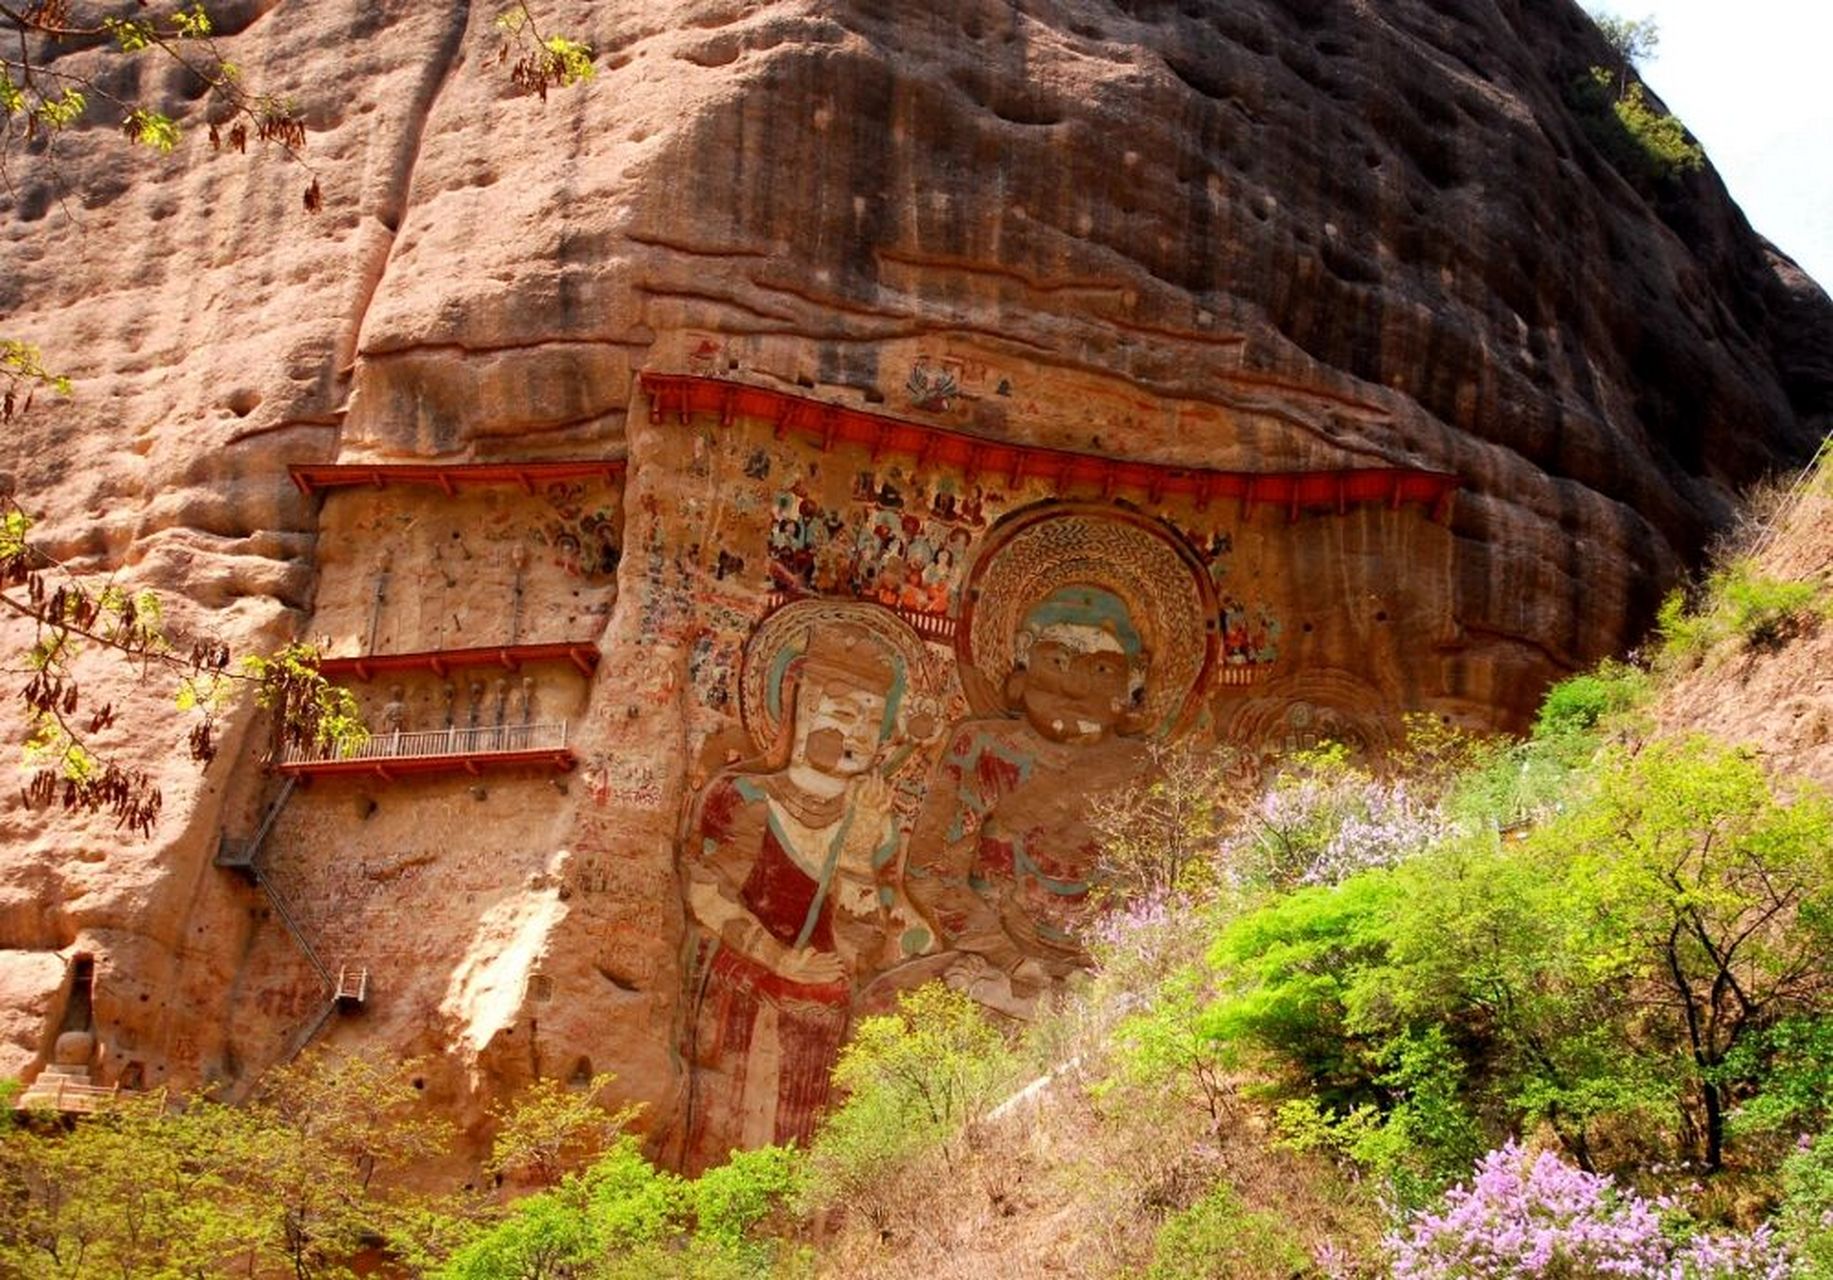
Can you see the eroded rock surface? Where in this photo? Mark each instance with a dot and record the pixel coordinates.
(1225, 237)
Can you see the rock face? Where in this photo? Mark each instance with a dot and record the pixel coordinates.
(1002, 393)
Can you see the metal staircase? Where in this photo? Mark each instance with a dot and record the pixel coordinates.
(350, 987)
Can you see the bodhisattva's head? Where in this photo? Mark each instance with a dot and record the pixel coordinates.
(1080, 674)
(846, 702)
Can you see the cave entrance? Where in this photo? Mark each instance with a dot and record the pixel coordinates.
(79, 1004)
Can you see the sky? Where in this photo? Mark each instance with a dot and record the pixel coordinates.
(1750, 78)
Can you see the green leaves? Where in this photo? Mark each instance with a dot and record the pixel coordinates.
(151, 129)
(1606, 968)
(542, 61)
(552, 1129)
(308, 710)
(131, 35)
(207, 1189)
(624, 1218)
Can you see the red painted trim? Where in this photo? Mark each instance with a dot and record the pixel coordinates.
(683, 396)
(581, 653)
(447, 476)
(561, 760)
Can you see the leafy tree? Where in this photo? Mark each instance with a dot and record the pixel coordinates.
(915, 1083)
(552, 1128)
(1713, 893)
(201, 1189)
(1166, 1046)
(624, 1219)
(1624, 962)
(1158, 836)
(1633, 40)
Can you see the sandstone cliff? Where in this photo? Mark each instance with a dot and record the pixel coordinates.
(1247, 237)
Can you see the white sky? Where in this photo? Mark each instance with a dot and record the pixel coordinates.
(1750, 79)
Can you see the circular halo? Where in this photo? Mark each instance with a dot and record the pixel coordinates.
(1343, 707)
(1034, 552)
(783, 637)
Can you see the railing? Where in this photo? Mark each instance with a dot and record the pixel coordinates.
(63, 1093)
(1814, 478)
(454, 741)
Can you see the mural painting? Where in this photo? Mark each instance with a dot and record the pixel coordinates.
(791, 867)
(907, 681)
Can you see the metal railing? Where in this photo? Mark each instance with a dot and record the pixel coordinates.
(454, 741)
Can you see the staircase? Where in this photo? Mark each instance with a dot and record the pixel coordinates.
(350, 988)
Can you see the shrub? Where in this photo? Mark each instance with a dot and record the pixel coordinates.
(915, 1083)
(733, 1202)
(1644, 143)
(1219, 1236)
(1663, 139)
(1763, 611)
(1738, 602)
(1806, 1215)
(552, 1128)
(624, 1219)
(1323, 820)
(1581, 703)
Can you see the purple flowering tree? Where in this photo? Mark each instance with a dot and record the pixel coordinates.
(1526, 1215)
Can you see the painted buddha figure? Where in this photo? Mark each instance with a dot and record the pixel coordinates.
(1002, 858)
(788, 868)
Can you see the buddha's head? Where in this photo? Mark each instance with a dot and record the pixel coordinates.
(1080, 671)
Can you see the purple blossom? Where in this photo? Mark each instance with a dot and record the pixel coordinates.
(1324, 828)
(1536, 1216)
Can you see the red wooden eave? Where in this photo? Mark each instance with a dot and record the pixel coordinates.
(559, 759)
(687, 395)
(449, 476)
(583, 654)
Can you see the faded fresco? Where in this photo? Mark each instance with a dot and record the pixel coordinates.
(906, 683)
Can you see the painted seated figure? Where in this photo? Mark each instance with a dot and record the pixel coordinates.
(789, 872)
(1002, 858)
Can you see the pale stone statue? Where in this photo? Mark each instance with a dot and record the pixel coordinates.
(394, 712)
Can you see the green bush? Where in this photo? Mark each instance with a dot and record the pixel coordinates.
(1576, 979)
(1644, 143)
(624, 1219)
(1738, 603)
(1805, 1219)
(1666, 149)
(1581, 703)
(1764, 611)
(1219, 1236)
(746, 1194)
(914, 1083)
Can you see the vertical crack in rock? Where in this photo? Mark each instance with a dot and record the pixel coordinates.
(397, 188)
